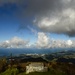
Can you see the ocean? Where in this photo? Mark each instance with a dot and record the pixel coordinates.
(7, 52)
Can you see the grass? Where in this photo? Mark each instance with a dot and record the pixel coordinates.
(15, 71)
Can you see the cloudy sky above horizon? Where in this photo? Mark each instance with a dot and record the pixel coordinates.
(37, 23)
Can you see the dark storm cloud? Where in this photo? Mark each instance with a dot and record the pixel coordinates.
(54, 16)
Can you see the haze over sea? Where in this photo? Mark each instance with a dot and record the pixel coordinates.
(14, 51)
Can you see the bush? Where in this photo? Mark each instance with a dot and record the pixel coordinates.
(13, 71)
(3, 64)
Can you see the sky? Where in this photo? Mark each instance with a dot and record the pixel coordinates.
(37, 23)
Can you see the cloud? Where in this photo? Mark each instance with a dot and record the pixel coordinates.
(61, 43)
(53, 16)
(15, 42)
(33, 30)
(42, 40)
(60, 21)
(69, 42)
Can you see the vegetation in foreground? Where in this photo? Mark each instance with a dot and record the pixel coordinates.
(54, 68)
(14, 71)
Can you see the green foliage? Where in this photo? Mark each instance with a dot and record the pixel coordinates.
(22, 73)
(3, 64)
(13, 71)
(47, 73)
(53, 69)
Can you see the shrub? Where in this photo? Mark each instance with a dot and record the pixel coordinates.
(13, 71)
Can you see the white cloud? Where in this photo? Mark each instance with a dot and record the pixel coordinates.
(46, 22)
(15, 42)
(64, 23)
(69, 42)
(56, 20)
(42, 40)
